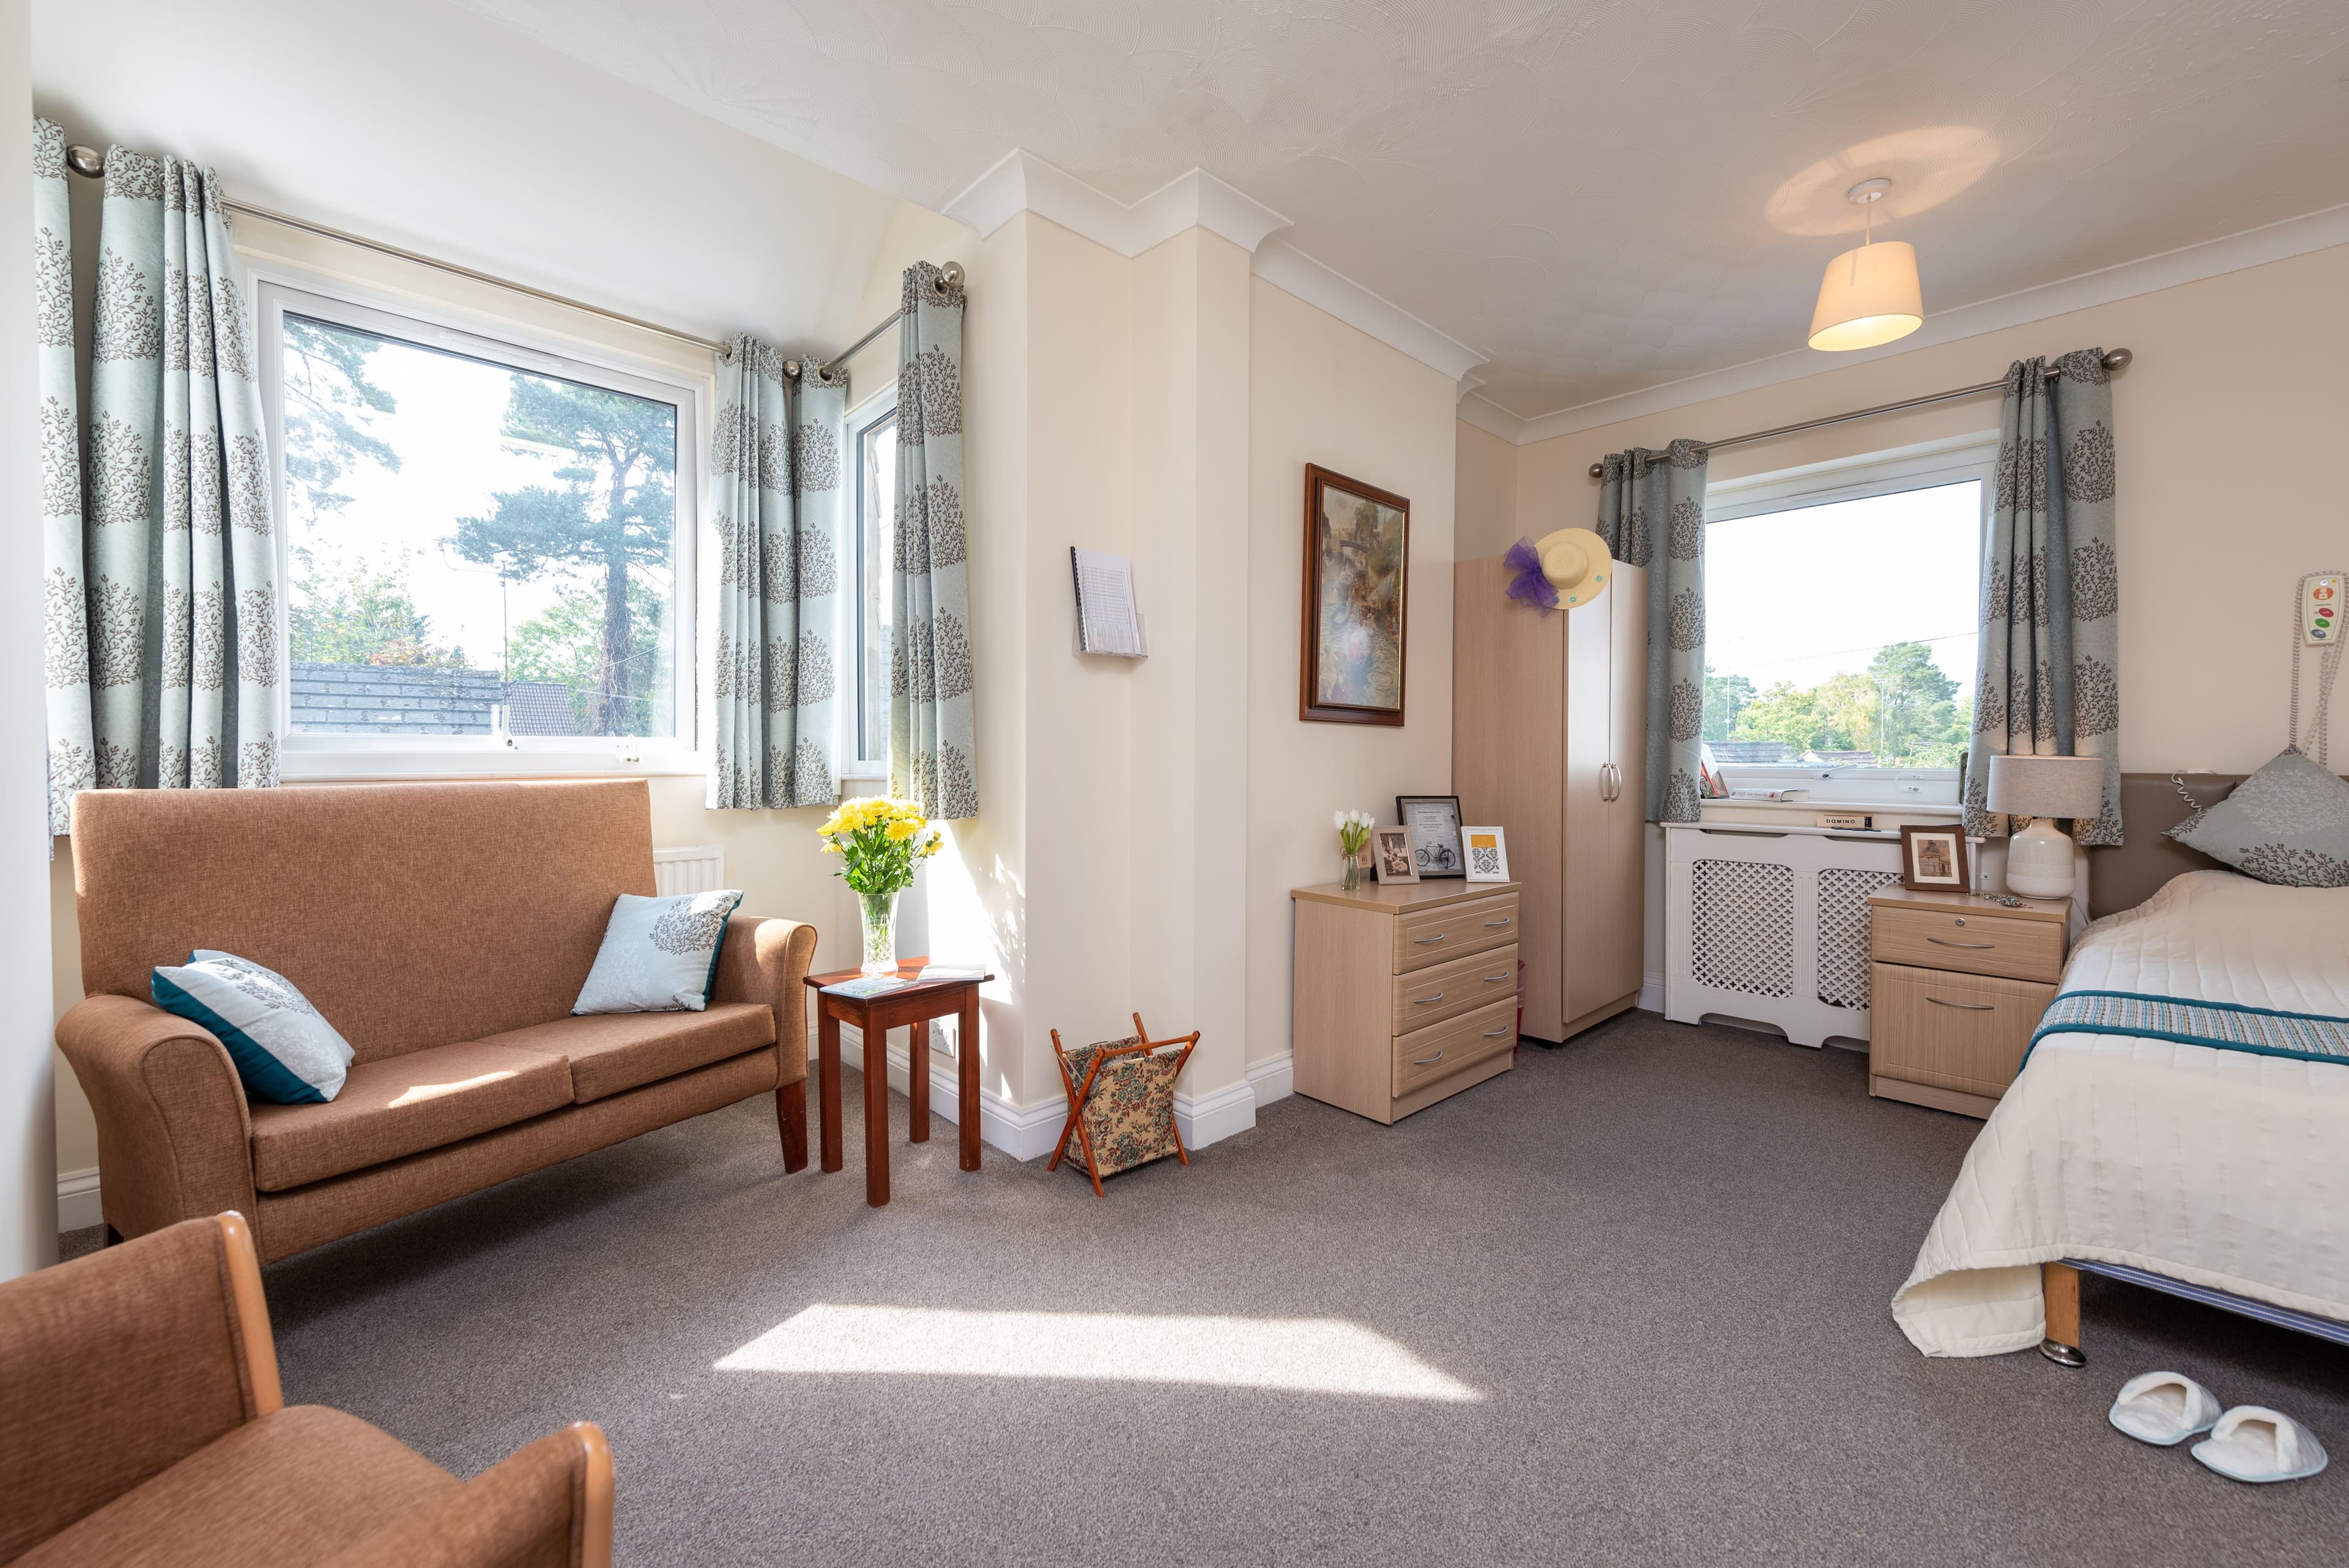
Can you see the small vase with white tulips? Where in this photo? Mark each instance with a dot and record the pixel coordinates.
(1353, 832)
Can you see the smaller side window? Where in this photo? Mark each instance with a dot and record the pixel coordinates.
(873, 439)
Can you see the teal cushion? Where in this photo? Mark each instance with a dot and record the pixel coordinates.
(285, 1051)
(2286, 824)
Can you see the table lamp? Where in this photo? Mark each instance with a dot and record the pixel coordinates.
(2039, 856)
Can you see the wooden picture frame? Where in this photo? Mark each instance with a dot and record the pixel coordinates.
(1392, 854)
(1353, 648)
(1486, 852)
(1933, 857)
(1434, 823)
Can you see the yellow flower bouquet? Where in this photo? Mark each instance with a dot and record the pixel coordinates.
(881, 843)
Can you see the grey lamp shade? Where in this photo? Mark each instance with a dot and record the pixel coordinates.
(2046, 786)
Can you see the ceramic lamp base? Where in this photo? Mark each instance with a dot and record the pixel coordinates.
(2039, 860)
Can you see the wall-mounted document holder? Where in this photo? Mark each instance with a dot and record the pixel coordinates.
(1107, 619)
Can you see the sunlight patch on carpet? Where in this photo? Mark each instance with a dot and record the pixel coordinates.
(1309, 1355)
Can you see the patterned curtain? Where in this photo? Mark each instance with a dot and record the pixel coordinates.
(933, 760)
(775, 492)
(1643, 494)
(183, 602)
(2050, 652)
(65, 618)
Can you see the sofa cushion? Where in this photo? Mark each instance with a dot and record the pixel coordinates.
(659, 954)
(610, 1052)
(283, 1048)
(401, 1105)
(292, 1486)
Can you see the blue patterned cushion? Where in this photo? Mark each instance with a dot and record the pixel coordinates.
(659, 954)
(286, 1053)
(2286, 824)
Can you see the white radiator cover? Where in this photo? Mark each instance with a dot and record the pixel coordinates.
(1771, 925)
(695, 868)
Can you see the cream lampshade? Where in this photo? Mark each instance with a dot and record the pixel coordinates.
(2039, 857)
(1869, 296)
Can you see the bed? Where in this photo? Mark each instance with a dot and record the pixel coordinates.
(2130, 1147)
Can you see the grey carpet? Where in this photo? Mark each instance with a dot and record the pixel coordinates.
(1662, 1254)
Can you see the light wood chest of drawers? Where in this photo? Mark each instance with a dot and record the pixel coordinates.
(1958, 985)
(1405, 993)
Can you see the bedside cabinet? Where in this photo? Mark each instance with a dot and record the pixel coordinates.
(1406, 993)
(1959, 984)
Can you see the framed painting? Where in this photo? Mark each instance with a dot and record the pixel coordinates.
(1357, 553)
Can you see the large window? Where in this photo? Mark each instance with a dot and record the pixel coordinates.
(487, 547)
(1841, 616)
(872, 437)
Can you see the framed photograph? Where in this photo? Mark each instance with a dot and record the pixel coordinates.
(1390, 852)
(1933, 856)
(1487, 853)
(1356, 550)
(1434, 824)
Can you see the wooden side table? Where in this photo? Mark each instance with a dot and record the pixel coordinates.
(914, 1006)
(1959, 982)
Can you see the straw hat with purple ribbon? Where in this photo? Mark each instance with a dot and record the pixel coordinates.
(1570, 567)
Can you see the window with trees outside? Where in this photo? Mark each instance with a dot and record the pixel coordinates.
(1842, 620)
(482, 546)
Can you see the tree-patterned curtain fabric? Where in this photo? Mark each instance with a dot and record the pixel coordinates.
(933, 758)
(65, 620)
(775, 467)
(182, 603)
(1651, 515)
(2050, 652)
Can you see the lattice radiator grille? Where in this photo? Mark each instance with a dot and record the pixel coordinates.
(1844, 931)
(1742, 927)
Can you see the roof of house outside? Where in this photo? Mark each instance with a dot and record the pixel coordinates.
(1750, 751)
(540, 707)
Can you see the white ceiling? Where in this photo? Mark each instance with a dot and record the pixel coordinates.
(1600, 195)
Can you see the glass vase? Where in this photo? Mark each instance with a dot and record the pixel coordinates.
(880, 920)
(1351, 877)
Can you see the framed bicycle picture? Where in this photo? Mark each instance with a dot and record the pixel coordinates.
(1434, 824)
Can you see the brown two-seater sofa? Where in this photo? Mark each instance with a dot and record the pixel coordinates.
(445, 930)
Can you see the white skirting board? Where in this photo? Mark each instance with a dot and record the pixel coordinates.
(1651, 992)
(1024, 1132)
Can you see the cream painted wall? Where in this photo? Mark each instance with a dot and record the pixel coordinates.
(1485, 491)
(1322, 392)
(2217, 521)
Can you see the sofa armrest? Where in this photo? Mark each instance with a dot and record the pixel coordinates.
(174, 1137)
(545, 1504)
(119, 1364)
(765, 959)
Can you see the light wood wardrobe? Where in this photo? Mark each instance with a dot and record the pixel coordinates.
(1549, 740)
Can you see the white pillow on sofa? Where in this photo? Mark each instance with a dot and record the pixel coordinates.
(659, 954)
(285, 1051)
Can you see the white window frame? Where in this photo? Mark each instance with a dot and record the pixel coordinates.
(880, 406)
(1953, 459)
(277, 288)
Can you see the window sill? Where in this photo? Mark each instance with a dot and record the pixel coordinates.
(353, 764)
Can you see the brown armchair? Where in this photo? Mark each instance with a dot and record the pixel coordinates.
(141, 1422)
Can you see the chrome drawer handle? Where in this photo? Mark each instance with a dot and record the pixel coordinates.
(1939, 943)
(1427, 1061)
(1496, 1034)
(1426, 1001)
(1423, 941)
(1495, 979)
(1495, 924)
(1969, 1006)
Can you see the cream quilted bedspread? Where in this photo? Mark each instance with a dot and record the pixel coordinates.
(2222, 1168)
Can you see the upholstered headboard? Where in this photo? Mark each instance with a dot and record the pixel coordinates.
(2124, 875)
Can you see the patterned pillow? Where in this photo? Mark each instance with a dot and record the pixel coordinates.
(659, 954)
(284, 1050)
(2287, 824)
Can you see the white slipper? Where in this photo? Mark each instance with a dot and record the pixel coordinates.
(2164, 1408)
(2251, 1443)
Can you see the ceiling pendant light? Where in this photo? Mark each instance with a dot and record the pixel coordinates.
(1869, 296)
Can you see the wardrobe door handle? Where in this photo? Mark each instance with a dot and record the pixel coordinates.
(1427, 1061)
(1969, 1006)
(1939, 943)
(1427, 1001)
